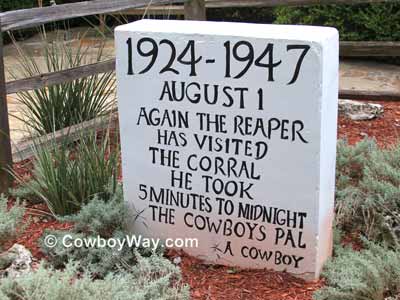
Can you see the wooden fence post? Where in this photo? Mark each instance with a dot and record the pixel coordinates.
(5, 142)
(102, 23)
(195, 10)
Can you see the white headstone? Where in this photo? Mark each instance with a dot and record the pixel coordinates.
(228, 135)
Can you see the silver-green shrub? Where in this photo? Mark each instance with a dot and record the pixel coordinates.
(368, 202)
(106, 219)
(368, 190)
(10, 220)
(152, 278)
(371, 274)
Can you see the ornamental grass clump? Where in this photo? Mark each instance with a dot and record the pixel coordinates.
(58, 106)
(68, 175)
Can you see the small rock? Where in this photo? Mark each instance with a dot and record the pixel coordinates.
(363, 134)
(397, 297)
(231, 271)
(359, 111)
(35, 219)
(177, 260)
(17, 261)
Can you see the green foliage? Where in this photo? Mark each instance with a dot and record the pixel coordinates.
(100, 217)
(372, 274)
(242, 14)
(368, 190)
(22, 192)
(376, 22)
(350, 164)
(66, 178)
(152, 278)
(106, 219)
(6, 5)
(62, 105)
(367, 201)
(9, 220)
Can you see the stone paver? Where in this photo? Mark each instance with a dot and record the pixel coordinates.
(369, 76)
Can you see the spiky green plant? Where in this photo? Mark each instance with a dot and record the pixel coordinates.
(67, 177)
(61, 105)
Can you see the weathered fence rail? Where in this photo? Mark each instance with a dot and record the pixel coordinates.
(37, 16)
(48, 79)
(359, 49)
(192, 9)
(25, 149)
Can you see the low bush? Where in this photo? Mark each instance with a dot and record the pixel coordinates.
(350, 164)
(368, 190)
(9, 220)
(66, 177)
(101, 216)
(367, 203)
(152, 278)
(372, 274)
(98, 218)
(375, 21)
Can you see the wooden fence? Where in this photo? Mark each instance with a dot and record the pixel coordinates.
(192, 9)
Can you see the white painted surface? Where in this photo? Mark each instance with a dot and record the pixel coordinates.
(294, 176)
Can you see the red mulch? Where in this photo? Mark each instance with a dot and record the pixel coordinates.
(209, 282)
(386, 129)
(29, 238)
(36, 219)
(219, 282)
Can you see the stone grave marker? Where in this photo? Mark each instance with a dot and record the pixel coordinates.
(228, 136)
